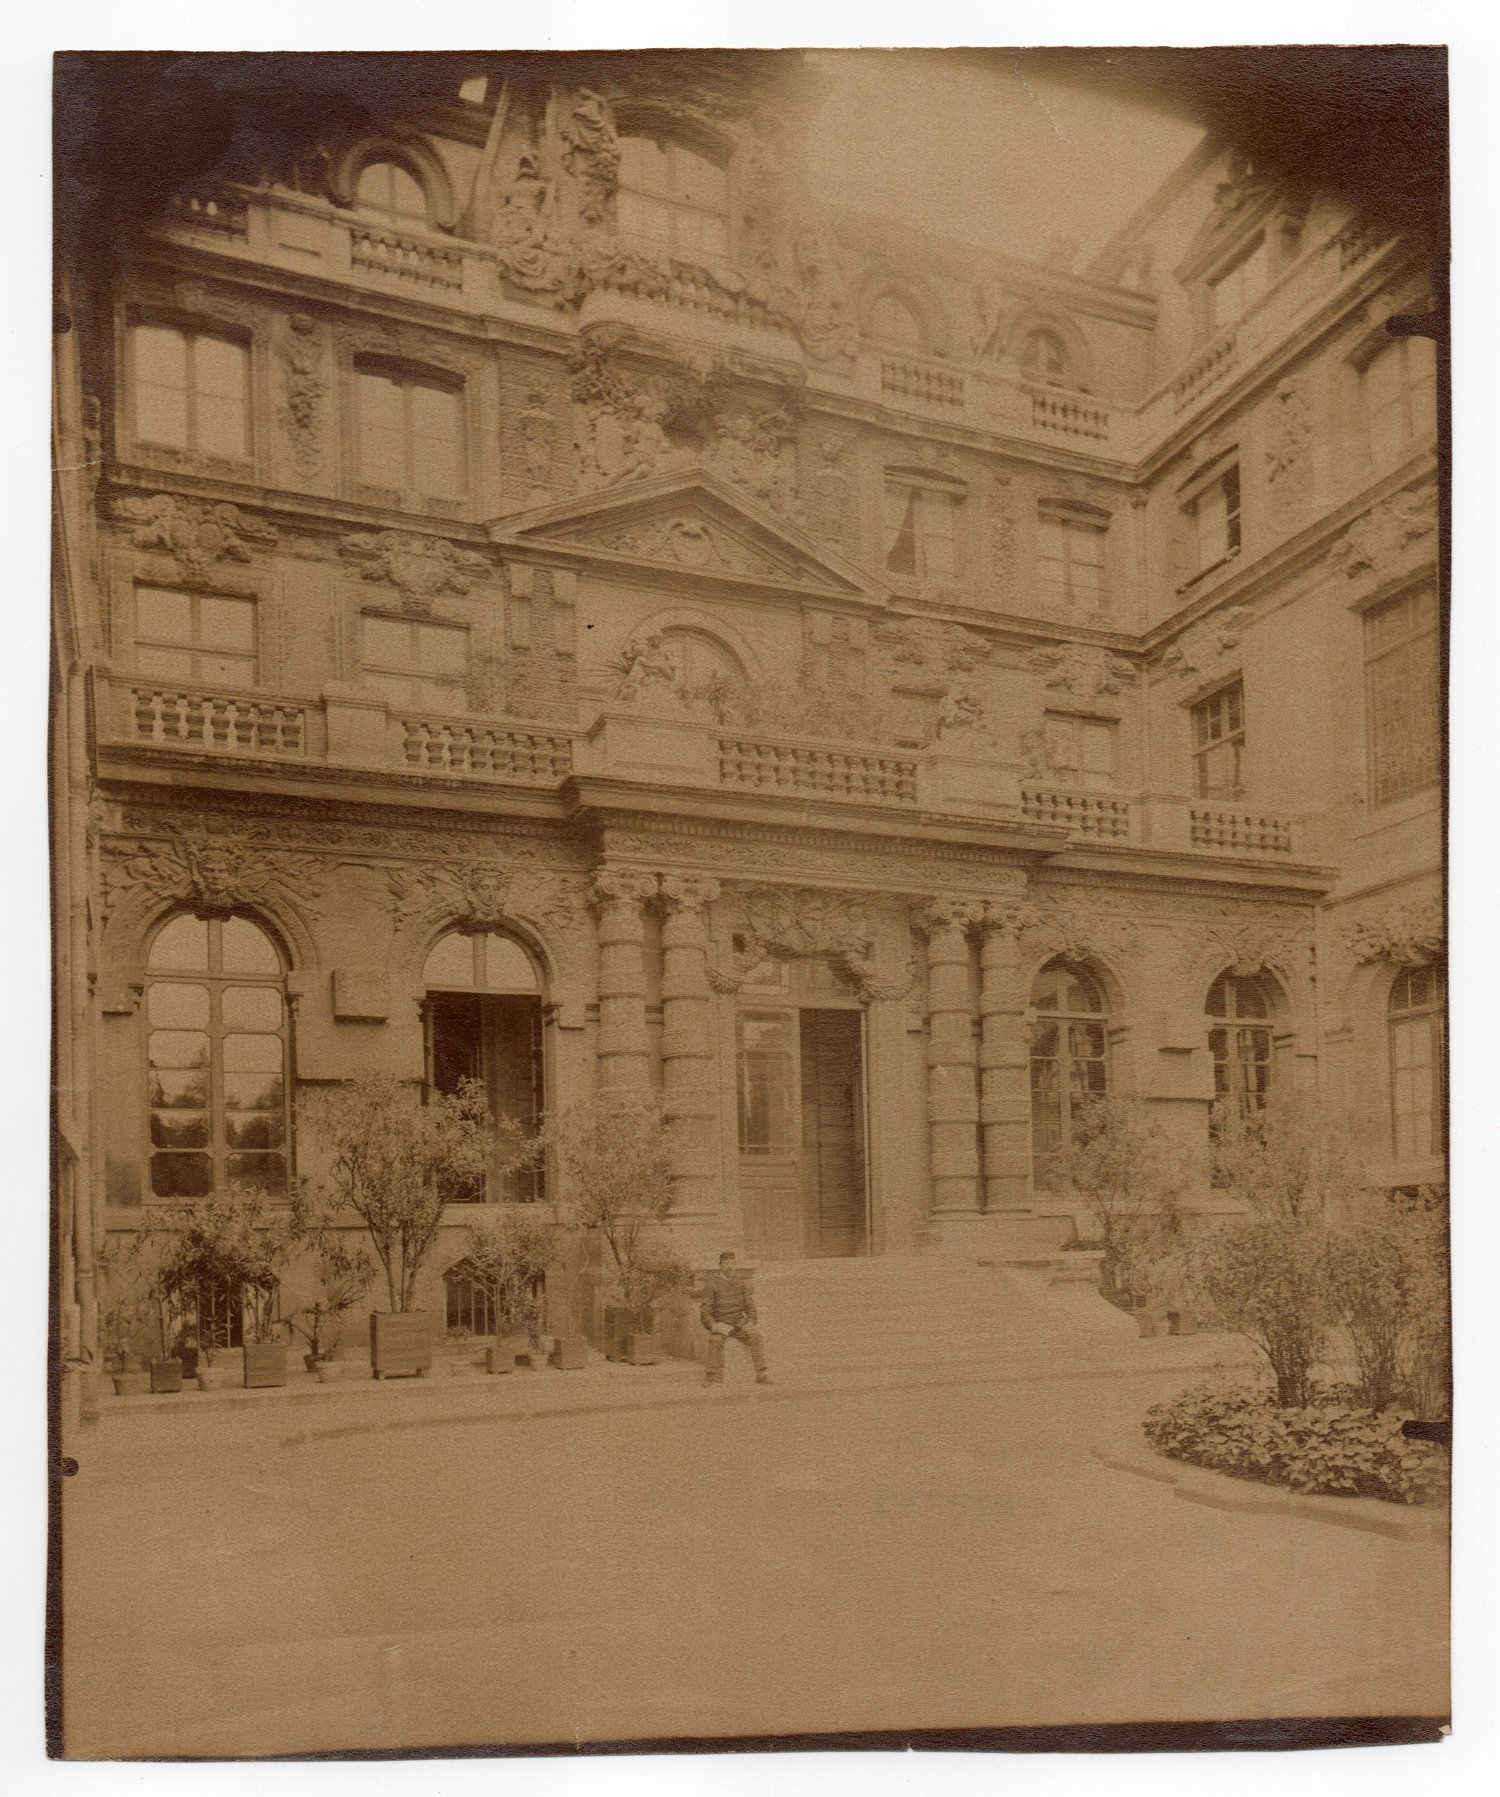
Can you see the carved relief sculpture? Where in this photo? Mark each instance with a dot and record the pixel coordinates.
(303, 391)
(1409, 935)
(212, 876)
(1083, 671)
(197, 533)
(527, 252)
(591, 155)
(418, 567)
(1289, 444)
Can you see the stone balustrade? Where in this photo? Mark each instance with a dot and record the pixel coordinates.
(905, 378)
(1099, 815)
(466, 748)
(805, 768)
(406, 258)
(1239, 832)
(1068, 415)
(219, 211)
(1216, 363)
(221, 722)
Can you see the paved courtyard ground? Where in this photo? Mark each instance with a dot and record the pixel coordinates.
(266, 1580)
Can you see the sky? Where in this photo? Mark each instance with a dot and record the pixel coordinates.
(1006, 159)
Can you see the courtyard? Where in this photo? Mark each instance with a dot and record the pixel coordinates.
(264, 1580)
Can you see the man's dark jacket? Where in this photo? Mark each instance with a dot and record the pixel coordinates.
(726, 1299)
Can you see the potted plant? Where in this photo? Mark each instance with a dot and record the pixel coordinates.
(614, 1156)
(392, 1159)
(459, 1341)
(1121, 1163)
(127, 1266)
(508, 1255)
(344, 1276)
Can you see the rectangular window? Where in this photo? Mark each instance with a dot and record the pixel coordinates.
(921, 531)
(205, 637)
(1081, 750)
(1219, 744)
(1416, 1069)
(1403, 699)
(1070, 562)
(191, 390)
(1213, 516)
(410, 434)
(417, 663)
(1398, 394)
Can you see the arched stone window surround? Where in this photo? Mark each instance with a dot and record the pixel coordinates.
(1109, 1033)
(1075, 346)
(222, 1105)
(917, 296)
(407, 150)
(136, 917)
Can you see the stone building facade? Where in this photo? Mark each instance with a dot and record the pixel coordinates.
(538, 597)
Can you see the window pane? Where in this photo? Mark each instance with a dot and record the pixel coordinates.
(166, 664)
(407, 198)
(161, 415)
(163, 616)
(220, 426)
(181, 1175)
(699, 181)
(435, 457)
(227, 670)
(451, 962)
(170, 1006)
(507, 968)
(251, 1007)
(441, 650)
(253, 1129)
(227, 624)
(640, 217)
(160, 360)
(382, 429)
(179, 1091)
(388, 643)
(178, 1048)
(645, 166)
(246, 949)
(219, 367)
(257, 1054)
(160, 355)
(179, 1129)
(393, 688)
(265, 1170)
(182, 943)
(252, 1092)
(895, 324)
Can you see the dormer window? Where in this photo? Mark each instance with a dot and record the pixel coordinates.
(894, 325)
(1043, 359)
(672, 196)
(388, 191)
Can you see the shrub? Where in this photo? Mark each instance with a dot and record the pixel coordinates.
(1388, 1287)
(1122, 1163)
(393, 1159)
(507, 1257)
(1331, 1447)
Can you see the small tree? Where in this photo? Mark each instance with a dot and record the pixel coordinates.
(1122, 1163)
(129, 1269)
(1265, 1274)
(614, 1154)
(344, 1276)
(508, 1255)
(239, 1242)
(1388, 1287)
(393, 1159)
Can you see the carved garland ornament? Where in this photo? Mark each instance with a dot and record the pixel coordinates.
(418, 567)
(304, 389)
(1410, 935)
(1084, 672)
(197, 533)
(212, 877)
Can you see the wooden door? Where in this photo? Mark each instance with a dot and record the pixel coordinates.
(833, 1156)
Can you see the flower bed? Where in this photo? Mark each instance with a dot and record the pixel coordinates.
(1332, 1447)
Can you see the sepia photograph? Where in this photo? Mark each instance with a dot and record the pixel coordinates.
(747, 766)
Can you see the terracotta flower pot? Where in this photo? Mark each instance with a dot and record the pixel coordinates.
(400, 1342)
(331, 1371)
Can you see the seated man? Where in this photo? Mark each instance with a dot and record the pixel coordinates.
(727, 1309)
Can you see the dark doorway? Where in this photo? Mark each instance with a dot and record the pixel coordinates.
(498, 1041)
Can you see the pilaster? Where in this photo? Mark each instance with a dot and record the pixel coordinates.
(688, 1047)
(624, 1047)
(1004, 1062)
(952, 1088)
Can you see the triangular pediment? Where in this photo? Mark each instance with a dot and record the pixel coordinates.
(695, 523)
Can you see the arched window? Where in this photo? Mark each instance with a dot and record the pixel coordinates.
(1415, 1011)
(894, 325)
(466, 1305)
(216, 1056)
(1240, 1013)
(1044, 360)
(389, 191)
(484, 1022)
(1069, 1060)
(673, 195)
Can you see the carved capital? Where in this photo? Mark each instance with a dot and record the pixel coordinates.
(614, 885)
(934, 915)
(688, 892)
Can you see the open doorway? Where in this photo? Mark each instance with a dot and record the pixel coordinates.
(483, 1015)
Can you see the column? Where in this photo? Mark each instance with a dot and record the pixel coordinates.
(952, 1092)
(687, 1046)
(1004, 1063)
(624, 1047)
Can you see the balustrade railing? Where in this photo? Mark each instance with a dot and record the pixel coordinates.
(1217, 362)
(1095, 814)
(1239, 832)
(407, 258)
(210, 209)
(922, 381)
(1068, 416)
(230, 723)
(828, 773)
(687, 287)
(493, 752)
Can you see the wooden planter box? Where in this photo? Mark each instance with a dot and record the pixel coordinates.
(643, 1348)
(570, 1353)
(166, 1375)
(265, 1364)
(131, 1383)
(219, 1377)
(400, 1342)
